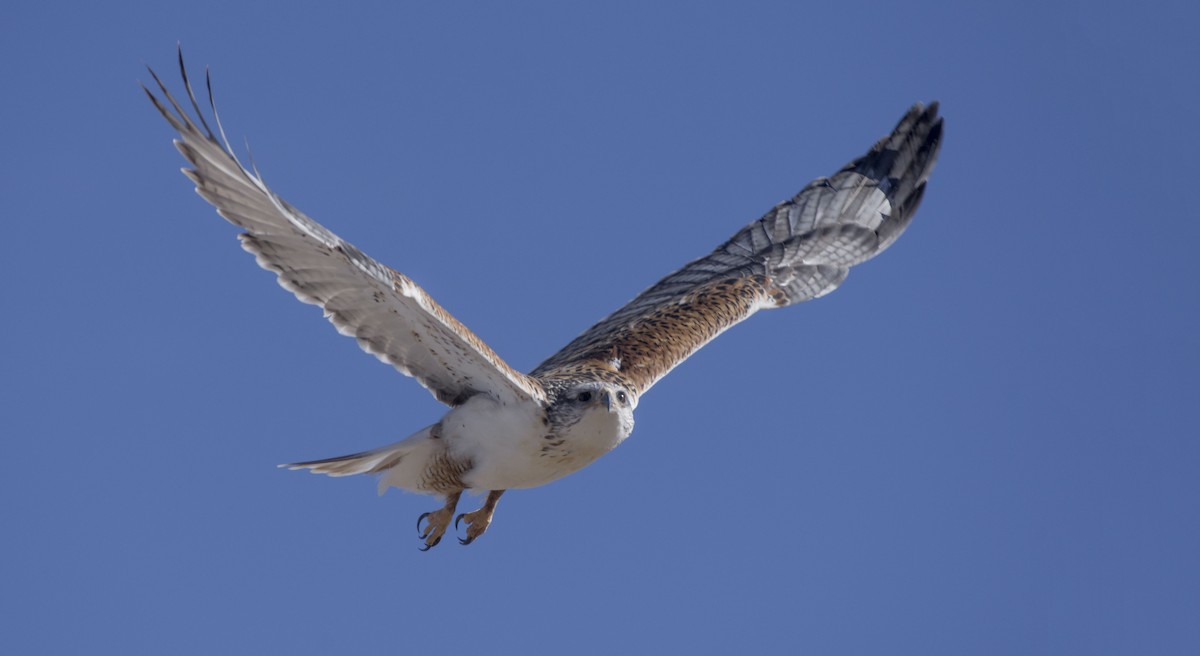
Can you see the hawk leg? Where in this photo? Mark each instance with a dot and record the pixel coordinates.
(479, 520)
(439, 521)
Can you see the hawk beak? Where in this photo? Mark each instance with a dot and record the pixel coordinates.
(607, 401)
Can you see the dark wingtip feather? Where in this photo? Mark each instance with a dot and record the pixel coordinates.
(187, 84)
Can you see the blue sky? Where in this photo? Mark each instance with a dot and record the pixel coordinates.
(983, 443)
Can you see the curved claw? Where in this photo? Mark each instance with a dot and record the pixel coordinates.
(456, 519)
(421, 519)
(466, 542)
(430, 545)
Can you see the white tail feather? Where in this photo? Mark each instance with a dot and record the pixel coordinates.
(401, 463)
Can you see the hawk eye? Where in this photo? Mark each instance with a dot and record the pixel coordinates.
(584, 397)
(621, 396)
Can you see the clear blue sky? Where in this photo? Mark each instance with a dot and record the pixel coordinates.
(983, 443)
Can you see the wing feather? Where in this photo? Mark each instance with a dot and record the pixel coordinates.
(802, 249)
(391, 317)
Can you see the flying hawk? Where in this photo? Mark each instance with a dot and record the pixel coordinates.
(509, 430)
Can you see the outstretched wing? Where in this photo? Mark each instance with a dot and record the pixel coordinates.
(801, 249)
(390, 316)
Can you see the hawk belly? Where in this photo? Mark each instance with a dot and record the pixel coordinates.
(515, 446)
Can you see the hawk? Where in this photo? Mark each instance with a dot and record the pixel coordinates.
(505, 429)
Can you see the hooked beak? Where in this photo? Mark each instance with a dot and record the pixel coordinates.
(607, 398)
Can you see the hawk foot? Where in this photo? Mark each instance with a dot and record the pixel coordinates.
(477, 523)
(478, 520)
(439, 521)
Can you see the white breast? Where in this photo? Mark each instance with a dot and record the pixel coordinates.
(510, 446)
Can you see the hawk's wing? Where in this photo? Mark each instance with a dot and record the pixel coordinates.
(390, 316)
(801, 249)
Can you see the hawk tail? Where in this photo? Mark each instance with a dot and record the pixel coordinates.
(412, 452)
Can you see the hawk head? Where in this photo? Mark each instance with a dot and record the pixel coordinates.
(593, 413)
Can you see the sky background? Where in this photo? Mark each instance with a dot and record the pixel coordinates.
(983, 443)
